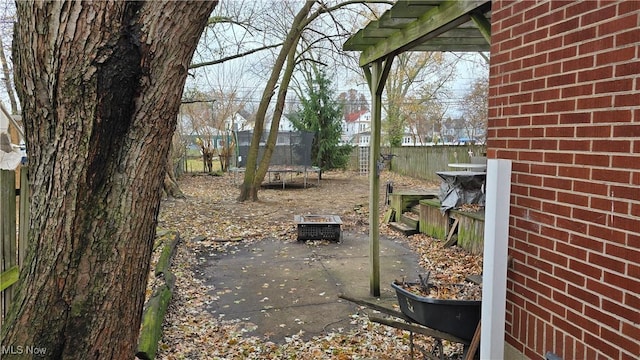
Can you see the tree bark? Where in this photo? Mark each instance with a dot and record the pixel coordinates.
(100, 86)
(170, 186)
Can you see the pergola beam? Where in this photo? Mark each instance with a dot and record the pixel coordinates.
(459, 39)
(484, 26)
(435, 21)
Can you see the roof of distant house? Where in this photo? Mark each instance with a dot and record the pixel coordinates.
(354, 115)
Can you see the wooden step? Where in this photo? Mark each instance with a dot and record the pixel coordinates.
(403, 228)
(410, 219)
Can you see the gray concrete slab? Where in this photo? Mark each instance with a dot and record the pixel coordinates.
(285, 287)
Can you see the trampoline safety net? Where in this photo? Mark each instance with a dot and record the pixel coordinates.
(293, 148)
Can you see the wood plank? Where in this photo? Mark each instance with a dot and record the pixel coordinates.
(470, 230)
(419, 329)
(432, 221)
(9, 277)
(403, 228)
(376, 307)
(475, 342)
(389, 216)
(450, 238)
(427, 46)
(410, 219)
(8, 227)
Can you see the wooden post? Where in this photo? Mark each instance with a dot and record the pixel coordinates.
(376, 77)
(23, 213)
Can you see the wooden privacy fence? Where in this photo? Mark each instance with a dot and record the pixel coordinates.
(14, 225)
(422, 162)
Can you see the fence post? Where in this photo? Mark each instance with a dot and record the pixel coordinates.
(8, 228)
(23, 214)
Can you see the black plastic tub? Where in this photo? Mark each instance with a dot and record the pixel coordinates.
(455, 317)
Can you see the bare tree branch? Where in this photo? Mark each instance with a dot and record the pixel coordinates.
(236, 56)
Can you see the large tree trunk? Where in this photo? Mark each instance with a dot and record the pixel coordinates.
(100, 85)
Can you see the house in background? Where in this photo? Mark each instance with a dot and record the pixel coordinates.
(212, 133)
(564, 109)
(284, 125)
(241, 120)
(354, 126)
(356, 130)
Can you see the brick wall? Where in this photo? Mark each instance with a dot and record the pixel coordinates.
(565, 107)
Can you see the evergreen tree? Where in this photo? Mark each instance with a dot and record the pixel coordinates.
(322, 114)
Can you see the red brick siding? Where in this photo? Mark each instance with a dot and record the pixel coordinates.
(564, 105)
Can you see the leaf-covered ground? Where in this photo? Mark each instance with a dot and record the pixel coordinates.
(210, 219)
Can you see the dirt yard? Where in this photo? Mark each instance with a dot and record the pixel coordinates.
(211, 208)
(210, 220)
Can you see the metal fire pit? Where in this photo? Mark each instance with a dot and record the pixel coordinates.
(318, 227)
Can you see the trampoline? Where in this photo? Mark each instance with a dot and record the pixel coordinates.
(291, 155)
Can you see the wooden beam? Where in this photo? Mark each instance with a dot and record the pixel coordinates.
(376, 307)
(451, 48)
(376, 32)
(450, 239)
(431, 23)
(394, 23)
(406, 9)
(484, 26)
(462, 32)
(382, 80)
(453, 41)
(419, 329)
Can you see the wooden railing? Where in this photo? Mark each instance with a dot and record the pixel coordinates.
(14, 225)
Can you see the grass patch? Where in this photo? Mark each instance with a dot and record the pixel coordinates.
(195, 165)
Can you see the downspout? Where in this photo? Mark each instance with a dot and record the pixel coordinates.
(494, 268)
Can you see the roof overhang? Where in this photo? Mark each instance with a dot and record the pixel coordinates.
(425, 25)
